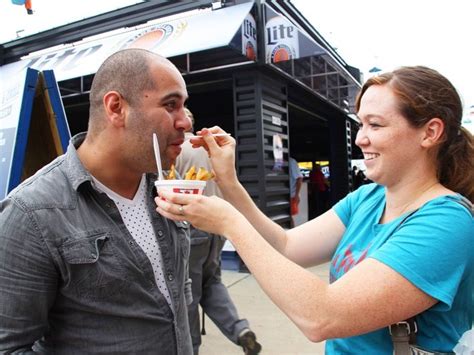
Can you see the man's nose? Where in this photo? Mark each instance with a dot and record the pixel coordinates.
(183, 121)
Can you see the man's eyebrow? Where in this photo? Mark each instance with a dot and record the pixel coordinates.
(173, 95)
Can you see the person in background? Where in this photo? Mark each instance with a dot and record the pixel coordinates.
(354, 171)
(205, 267)
(296, 181)
(358, 178)
(27, 3)
(318, 191)
(401, 248)
(87, 265)
(29, 7)
(355, 178)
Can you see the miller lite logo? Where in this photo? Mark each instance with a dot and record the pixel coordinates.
(151, 38)
(249, 37)
(281, 39)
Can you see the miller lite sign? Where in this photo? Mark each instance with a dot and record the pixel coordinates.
(150, 38)
(281, 40)
(171, 37)
(249, 37)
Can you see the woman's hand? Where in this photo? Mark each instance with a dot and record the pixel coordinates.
(221, 151)
(210, 214)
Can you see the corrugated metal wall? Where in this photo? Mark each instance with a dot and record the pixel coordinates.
(261, 110)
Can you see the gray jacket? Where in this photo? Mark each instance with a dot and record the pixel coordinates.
(72, 278)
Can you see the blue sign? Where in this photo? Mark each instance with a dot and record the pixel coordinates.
(15, 114)
(17, 98)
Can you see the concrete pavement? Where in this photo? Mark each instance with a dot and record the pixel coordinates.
(277, 334)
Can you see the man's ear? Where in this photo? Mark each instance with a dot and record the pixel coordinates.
(433, 132)
(115, 108)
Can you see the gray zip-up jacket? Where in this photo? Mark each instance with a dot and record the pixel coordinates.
(72, 278)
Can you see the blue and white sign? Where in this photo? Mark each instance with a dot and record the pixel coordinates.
(16, 102)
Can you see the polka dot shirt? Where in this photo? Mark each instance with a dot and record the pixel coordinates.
(135, 216)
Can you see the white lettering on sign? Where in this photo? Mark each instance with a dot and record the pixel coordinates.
(249, 37)
(277, 33)
(281, 40)
(250, 31)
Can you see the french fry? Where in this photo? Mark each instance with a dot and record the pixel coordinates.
(190, 174)
(203, 174)
(172, 173)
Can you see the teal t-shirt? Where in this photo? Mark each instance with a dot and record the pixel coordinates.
(433, 249)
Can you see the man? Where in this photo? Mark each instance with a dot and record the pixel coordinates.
(319, 191)
(205, 268)
(296, 181)
(88, 266)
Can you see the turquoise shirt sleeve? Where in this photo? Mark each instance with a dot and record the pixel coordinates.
(433, 249)
(439, 234)
(346, 207)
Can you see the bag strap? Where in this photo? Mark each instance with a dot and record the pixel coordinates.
(463, 201)
(403, 333)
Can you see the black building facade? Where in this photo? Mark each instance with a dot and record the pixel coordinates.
(256, 68)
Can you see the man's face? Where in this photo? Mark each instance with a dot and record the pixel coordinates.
(160, 111)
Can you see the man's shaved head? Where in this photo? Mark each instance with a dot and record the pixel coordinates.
(129, 73)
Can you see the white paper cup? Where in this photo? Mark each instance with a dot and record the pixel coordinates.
(192, 187)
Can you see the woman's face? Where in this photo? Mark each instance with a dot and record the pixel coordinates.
(391, 147)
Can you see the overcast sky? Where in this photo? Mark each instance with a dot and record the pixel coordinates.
(50, 13)
(388, 34)
(366, 33)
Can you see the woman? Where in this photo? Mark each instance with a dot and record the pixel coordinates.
(399, 248)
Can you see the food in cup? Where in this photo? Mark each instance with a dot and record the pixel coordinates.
(171, 174)
(202, 174)
(194, 181)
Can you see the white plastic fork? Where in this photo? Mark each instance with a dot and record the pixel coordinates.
(156, 148)
(214, 135)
